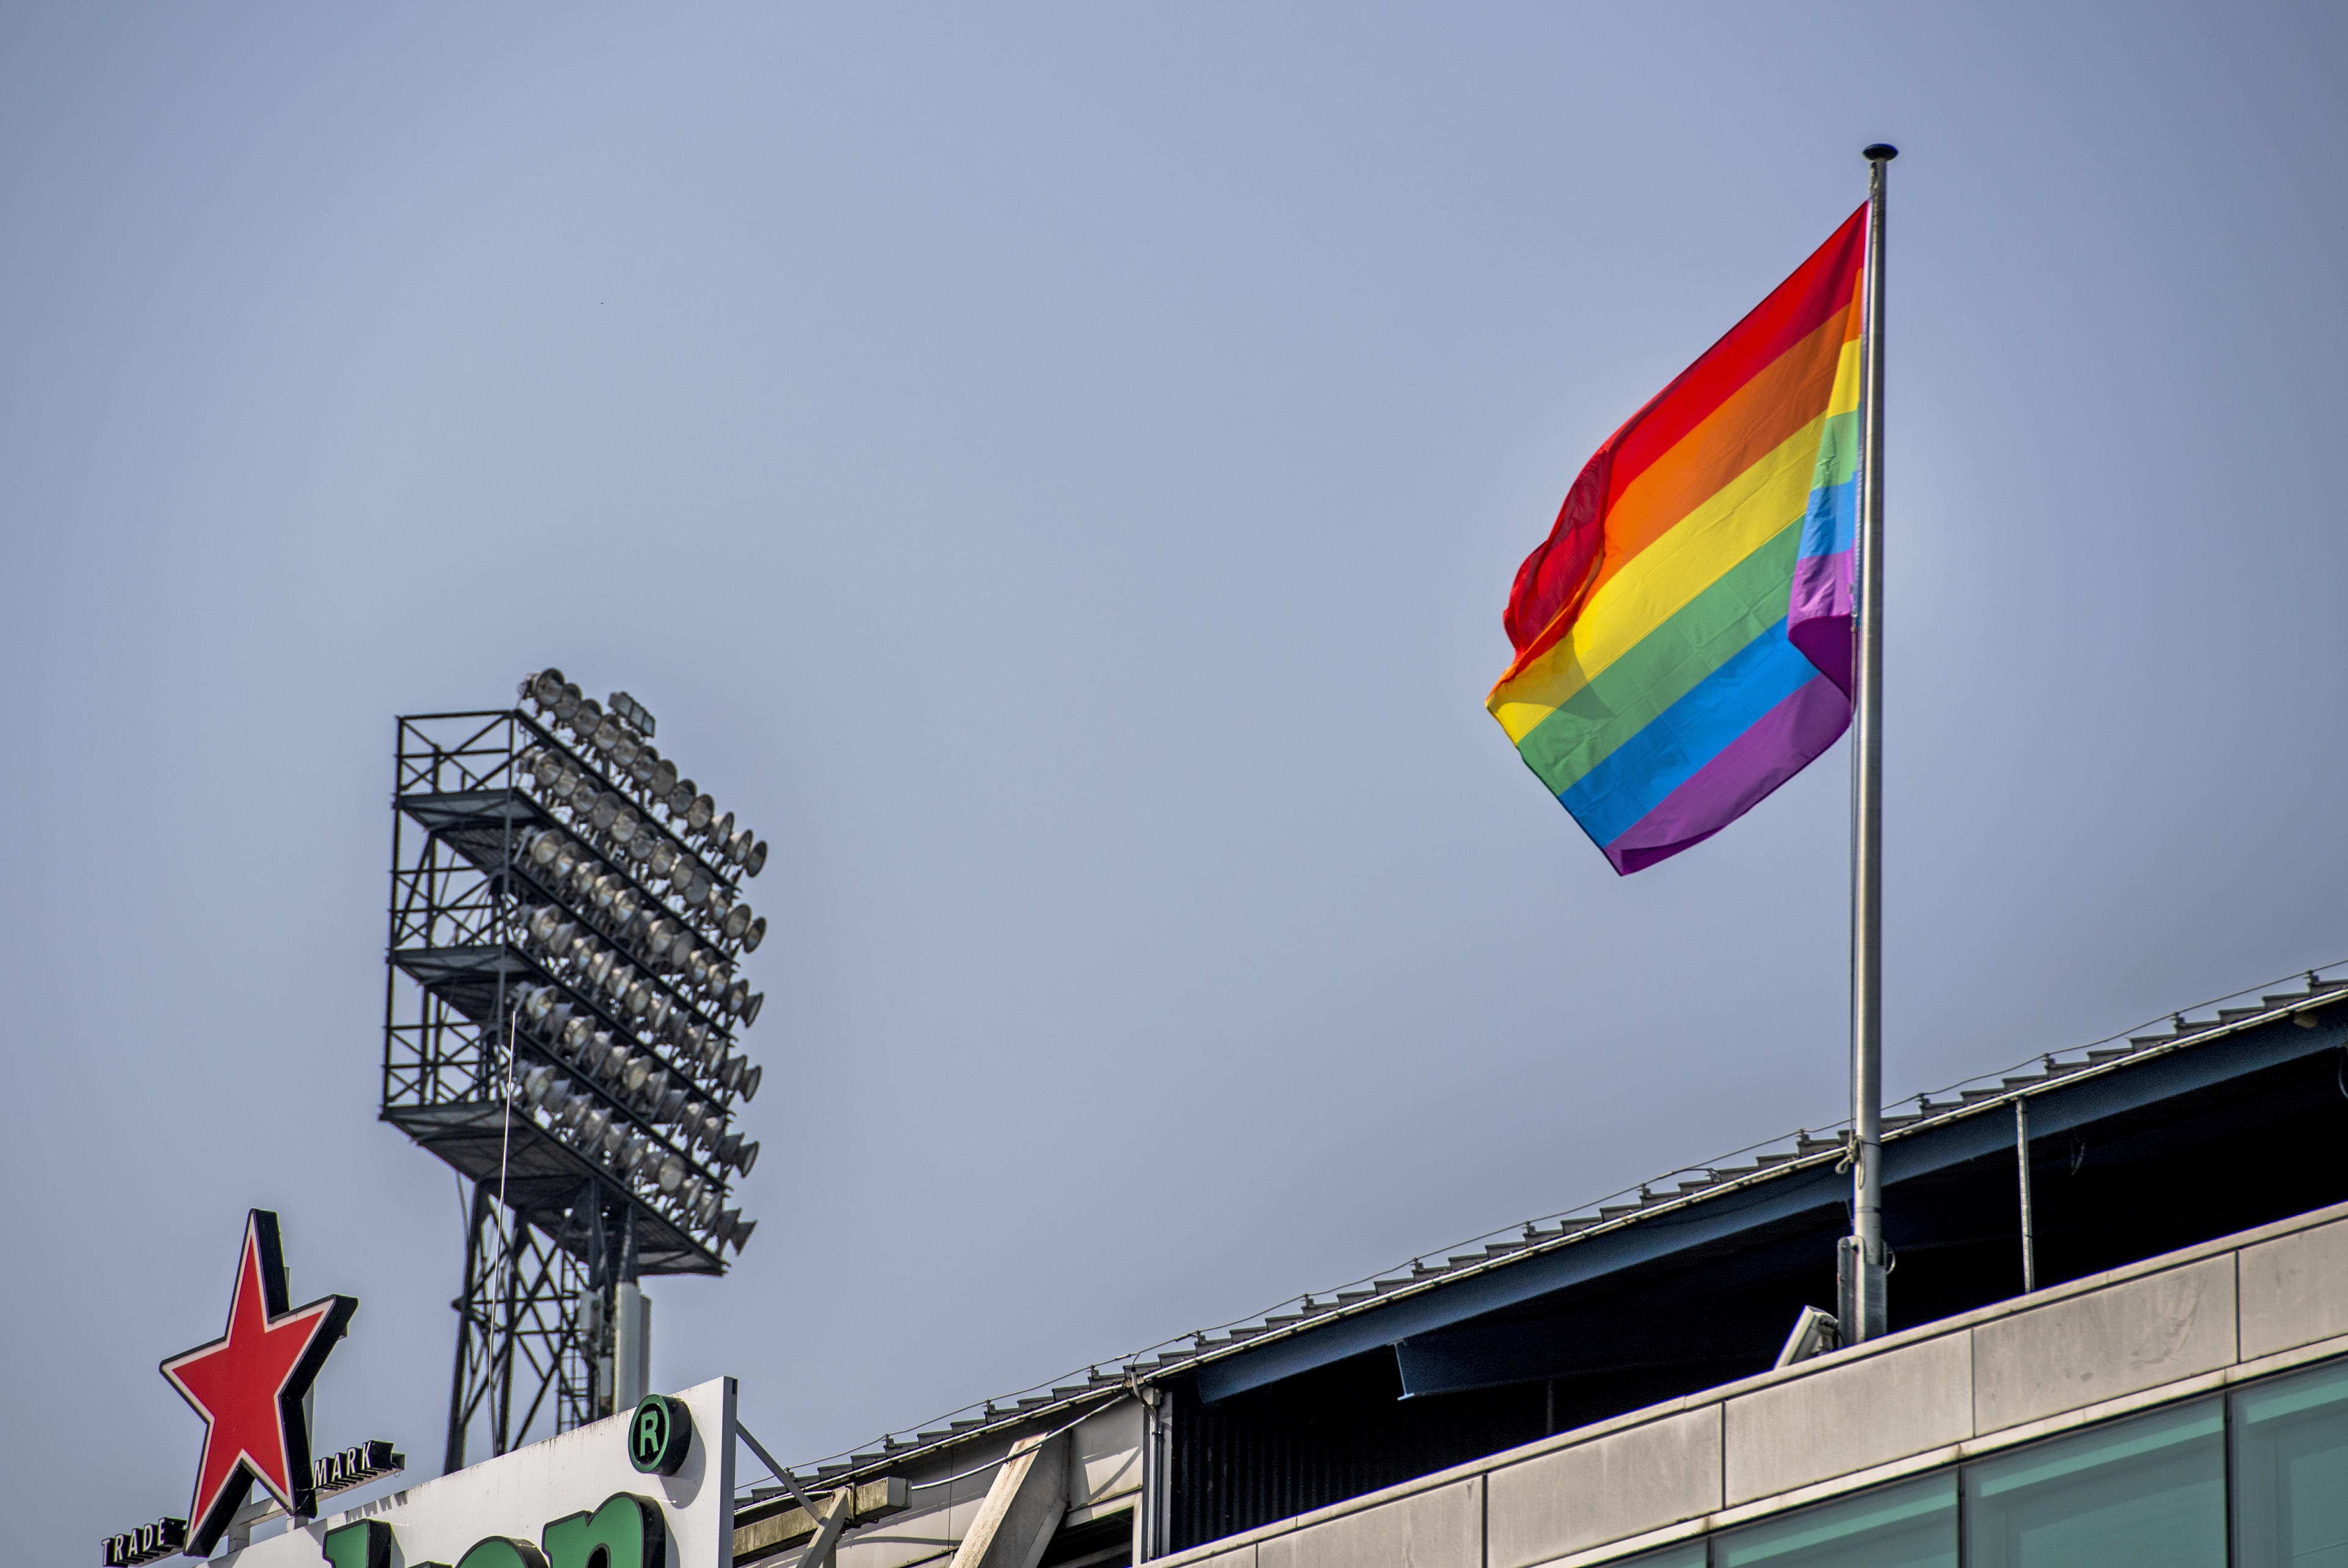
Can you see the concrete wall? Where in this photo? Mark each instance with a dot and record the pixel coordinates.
(2172, 1327)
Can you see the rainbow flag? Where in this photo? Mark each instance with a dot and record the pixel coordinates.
(1684, 636)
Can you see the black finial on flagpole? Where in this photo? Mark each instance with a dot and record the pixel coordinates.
(1880, 152)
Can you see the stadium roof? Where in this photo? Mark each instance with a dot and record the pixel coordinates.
(1750, 1221)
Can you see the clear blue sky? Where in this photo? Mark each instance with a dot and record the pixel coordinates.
(1057, 471)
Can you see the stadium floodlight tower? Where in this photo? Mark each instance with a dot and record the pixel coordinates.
(560, 1013)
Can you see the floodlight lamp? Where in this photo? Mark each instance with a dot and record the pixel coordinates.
(737, 921)
(655, 1088)
(546, 686)
(567, 703)
(557, 1018)
(721, 832)
(726, 1146)
(750, 1081)
(671, 1174)
(757, 860)
(755, 935)
(537, 1002)
(698, 815)
(644, 765)
(740, 1235)
(605, 811)
(681, 798)
(531, 1086)
(625, 906)
(662, 781)
(737, 849)
(613, 1137)
(607, 735)
(658, 936)
(731, 1072)
(587, 718)
(696, 888)
(671, 1107)
(737, 996)
(543, 846)
(747, 1156)
(640, 1068)
(598, 967)
(625, 824)
(705, 1207)
(624, 752)
(576, 1033)
(751, 1009)
(565, 859)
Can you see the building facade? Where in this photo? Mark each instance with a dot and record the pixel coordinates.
(1599, 1389)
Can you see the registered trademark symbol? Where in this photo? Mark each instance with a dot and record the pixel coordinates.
(660, 1433)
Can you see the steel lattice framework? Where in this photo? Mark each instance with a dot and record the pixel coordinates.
(560, 1010)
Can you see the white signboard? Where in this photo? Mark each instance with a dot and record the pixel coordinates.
(499, 1511)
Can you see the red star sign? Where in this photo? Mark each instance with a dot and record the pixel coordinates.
(247, 1386)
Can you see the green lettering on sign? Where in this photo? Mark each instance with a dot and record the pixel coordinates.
(366, 1545)
(500, 1551)
(660, 1433)
(627, 1532)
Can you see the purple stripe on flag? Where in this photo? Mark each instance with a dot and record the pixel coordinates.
(1819, 621)
(1779, 745)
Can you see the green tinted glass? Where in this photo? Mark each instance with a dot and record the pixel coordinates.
(2290, 1471)
(1911, 1525)
(2148, 1493)
(1689, 1554)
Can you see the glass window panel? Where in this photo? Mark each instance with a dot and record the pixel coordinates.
(1689, 1554)
(2290, 1471)
(1911, 1525)
(2150, 1492)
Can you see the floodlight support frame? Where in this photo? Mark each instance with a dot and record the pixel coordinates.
(550, 1231)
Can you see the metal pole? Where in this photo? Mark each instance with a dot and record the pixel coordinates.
(1866, 1316)
(2029, 1230)
(453, 1460)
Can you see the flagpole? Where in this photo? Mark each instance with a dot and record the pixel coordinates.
(1864, 1310)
